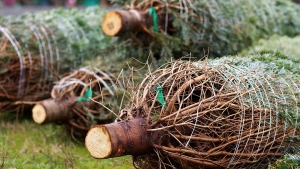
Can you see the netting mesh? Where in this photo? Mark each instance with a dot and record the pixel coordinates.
(37, 49)
(24, 73)
(220, 27)
(90, 111)
(226, 113)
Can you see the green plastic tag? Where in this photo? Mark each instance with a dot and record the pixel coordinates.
(160, 96)
(88, 95)
(152, 12)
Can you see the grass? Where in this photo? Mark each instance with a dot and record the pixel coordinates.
(25, 144)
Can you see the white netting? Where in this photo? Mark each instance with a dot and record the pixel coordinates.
(228, 113)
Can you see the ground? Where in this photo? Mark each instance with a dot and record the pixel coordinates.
(25, 144)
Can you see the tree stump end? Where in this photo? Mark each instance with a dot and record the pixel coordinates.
(112, 23)
(98, 142)
(39, 113)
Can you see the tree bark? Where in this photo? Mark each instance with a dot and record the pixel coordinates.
(53, 110)
(122, 138)
(118, 22)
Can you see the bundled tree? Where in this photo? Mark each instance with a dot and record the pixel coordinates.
(177, 28)
(80, 100)
(37, 49)
(231, 112)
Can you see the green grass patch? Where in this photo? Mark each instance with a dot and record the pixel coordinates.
(25, 144)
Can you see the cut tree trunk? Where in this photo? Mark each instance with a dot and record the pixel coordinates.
(53, 110)
(118, 139)
(118, 22)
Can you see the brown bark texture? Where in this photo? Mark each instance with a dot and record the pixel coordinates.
(123, 138)
(56, 110)
(118, 22)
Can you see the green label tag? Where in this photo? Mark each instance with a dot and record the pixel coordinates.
(160, 96)
(88, 95)
(152, 12)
